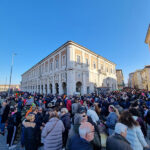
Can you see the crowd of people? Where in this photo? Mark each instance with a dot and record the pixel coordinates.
(117, 120)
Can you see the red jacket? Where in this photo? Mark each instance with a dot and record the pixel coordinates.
(69, 105)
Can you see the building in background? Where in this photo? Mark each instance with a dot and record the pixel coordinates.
(70, 69)
(131, 81)
(146, 77)
(140, 79)
(147, 39)
(5, 87)
(120, 79)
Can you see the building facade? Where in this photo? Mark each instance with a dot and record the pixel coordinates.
(140, 79)
(131, 80)
(69, 69)
(120, 79)
(147, 39)
(5, 87)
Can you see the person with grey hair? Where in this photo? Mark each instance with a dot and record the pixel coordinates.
(118, 140)
(65, 118)
(82, 141)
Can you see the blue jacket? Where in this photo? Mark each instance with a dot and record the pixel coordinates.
(111, 120)
(78, 143)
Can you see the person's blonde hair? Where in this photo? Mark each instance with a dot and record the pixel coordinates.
(114, 109)
(30, 117)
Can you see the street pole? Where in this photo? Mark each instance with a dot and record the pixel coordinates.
(11, 73)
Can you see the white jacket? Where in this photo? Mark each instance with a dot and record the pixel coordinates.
(136, 138)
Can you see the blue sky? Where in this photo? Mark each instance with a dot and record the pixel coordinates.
(115, 29)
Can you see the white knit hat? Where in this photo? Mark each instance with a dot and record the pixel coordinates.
(120, 128)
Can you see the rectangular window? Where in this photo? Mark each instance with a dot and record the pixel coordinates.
(94, 65)
(102, 67)
(57, 63)
(107, 69)
(63, 60)
(51, 66)
(86, 61)
(78, 59)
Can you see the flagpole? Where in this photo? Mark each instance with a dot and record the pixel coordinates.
(11, 69)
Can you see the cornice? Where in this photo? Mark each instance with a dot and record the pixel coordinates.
(61, 47)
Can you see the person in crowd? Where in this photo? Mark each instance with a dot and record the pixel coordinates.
(147, 118)
(65, 117)
(112, 119)
(2, 125)
(136, 115)
(118, 140)
(91, 113)
(39, 120)
(30, 133)
(75, 107)
(134, 134)
(52, 132)
(12, 127)
(82, 141)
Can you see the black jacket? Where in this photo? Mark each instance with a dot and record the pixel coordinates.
(77, 143)
(5, 114)
(30, 136)
(117, 142)
(66, 121)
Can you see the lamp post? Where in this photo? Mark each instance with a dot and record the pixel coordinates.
(11, 72)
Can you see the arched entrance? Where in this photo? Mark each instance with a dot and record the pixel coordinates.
(64, 86)
(57, 88)
(78, 87)
(51, 89)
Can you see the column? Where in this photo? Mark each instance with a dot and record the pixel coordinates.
(44, 90)
(53, 86)
(70, 61)
(71, 84)
(60, 85)
(84, 86)
(48, 87)
(59, 61)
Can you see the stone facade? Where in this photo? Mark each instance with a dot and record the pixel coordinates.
(140, 79)
(147, 39)
(69, 69)
(120, 79)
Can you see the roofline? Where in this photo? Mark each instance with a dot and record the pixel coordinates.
(62, 46)
(148, 33)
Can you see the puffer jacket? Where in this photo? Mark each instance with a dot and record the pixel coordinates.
(52, 134)
(136, 138)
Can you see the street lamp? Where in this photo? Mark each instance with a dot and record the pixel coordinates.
(14, 54)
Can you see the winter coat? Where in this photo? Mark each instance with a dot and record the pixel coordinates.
(67, 124)
(111, 122)
(5, 114)
(117, 142)
(12, 121)
(136, 138)
(68, 105)
(52, 134)
(77, 143)
(75, 108)
(30, 135)
(142, 124)
(91, 113)
(66, 121)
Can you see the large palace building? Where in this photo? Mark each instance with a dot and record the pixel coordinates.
(70, 69)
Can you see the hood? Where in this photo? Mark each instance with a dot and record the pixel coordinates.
(66, 115)
(135, 117)
(29, 124)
